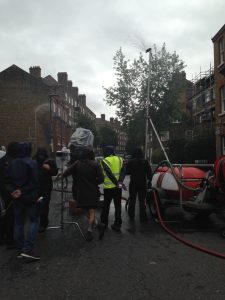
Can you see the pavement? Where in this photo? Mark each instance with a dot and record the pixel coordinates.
(143, 264)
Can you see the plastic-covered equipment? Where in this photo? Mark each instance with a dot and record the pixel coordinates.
(81, 138)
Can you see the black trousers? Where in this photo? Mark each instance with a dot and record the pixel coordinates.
(133, 193)
(44, 209)
(7, 226)
(116, 195)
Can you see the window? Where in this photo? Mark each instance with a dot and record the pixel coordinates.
(221, 51)
(194, 105)
(54, 107)
(223, 145)
(164, 136)
(222, 99)
(209, 95)
(176, 120)
(205, 117)
(189, 134)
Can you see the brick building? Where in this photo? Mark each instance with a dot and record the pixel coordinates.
(39, 110)
(116, 126)
(201, 102)
(219, 72)
(24, 102)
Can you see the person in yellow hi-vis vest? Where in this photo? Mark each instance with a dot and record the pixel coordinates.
(114, 174)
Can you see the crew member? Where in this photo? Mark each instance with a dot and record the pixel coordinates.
(114, 174)
(46, 169)
(140, 173)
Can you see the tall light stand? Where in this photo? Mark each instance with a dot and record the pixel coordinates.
(149, 50)
(148, 118)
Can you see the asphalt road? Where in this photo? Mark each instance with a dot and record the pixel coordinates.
(145, 264)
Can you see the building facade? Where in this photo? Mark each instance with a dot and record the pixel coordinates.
(201, 102)
(219, 72)
(40, 110)
(116, 126)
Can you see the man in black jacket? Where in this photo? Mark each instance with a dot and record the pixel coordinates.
(22, 183)
(140, 172)
(46, 169)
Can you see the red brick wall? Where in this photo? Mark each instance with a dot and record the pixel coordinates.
(20, 95)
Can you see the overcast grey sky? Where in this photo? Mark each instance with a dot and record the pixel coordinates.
(80, 37)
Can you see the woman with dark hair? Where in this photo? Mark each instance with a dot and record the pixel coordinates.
(87, 175)
(140, 172)
(46, 169)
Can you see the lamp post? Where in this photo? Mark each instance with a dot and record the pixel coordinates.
(149, 50)
(148, 117)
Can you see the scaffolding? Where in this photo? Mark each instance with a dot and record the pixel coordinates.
(202, 98)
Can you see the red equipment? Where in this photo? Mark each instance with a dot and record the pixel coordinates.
(196, 190)
(191, 177)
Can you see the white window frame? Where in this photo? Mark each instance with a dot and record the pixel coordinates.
(223, 145)
(165, 135)
(189, 134)
(221, 51)
(208, 95)
(222, 99)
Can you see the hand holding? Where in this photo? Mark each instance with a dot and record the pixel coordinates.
(16, 194)
(46, 167)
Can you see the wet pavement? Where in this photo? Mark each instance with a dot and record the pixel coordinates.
(145, 263)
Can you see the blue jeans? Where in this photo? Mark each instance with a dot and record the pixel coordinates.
(22, 212)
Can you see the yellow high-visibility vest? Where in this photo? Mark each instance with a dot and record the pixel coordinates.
(115, 164)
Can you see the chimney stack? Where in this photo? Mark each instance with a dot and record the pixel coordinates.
(62, 78)
(103, 117)
(82, 99)
(35, 71)
(75, 91)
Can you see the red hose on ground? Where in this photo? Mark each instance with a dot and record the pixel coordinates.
(190, 244)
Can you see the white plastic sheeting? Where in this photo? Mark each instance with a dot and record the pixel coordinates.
(82, 138)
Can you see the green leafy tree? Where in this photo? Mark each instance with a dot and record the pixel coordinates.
(129, 94)
(107, 136)
(135, 132)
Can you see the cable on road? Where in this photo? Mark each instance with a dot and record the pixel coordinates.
(180, 239)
